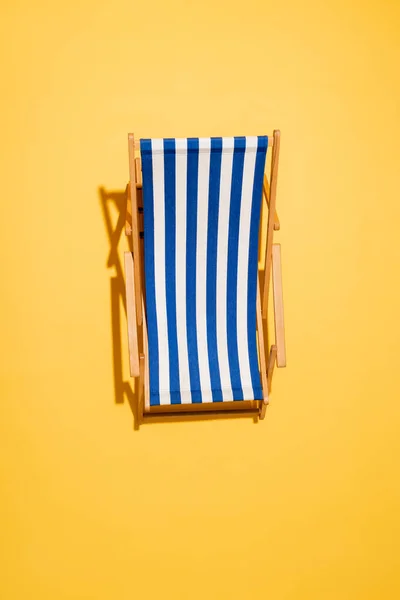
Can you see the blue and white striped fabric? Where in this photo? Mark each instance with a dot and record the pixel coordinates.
(202, 199)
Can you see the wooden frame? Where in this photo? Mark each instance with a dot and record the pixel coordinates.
(136, 314)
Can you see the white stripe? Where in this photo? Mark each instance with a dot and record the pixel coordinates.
(180, 270)
(243, 258)
(222, 266)
(201, 267)
(159, 270)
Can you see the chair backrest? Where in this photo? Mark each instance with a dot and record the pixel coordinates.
(202, 199)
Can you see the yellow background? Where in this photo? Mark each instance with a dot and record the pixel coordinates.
(303, 505)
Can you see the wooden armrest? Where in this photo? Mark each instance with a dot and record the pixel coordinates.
(278, 306)
(131, 316)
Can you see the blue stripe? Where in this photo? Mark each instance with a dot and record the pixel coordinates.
(253, 265)
(148, 204)
(170, 266)
(191, 265)
(232, 282)
(211, 284)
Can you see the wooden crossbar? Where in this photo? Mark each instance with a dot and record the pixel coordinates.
(271, 141)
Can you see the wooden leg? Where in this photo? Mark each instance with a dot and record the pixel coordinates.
(128, 216)
(261, 349)
(263, 410)
(271, 222)
(135, 229)
(146, 364)
(141, 389)
(266, 190)
(138, 168)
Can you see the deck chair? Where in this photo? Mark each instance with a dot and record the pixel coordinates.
(195, 310)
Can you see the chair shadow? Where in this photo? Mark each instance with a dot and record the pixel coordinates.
(117, 200)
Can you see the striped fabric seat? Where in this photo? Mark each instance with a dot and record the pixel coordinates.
(202, 199)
